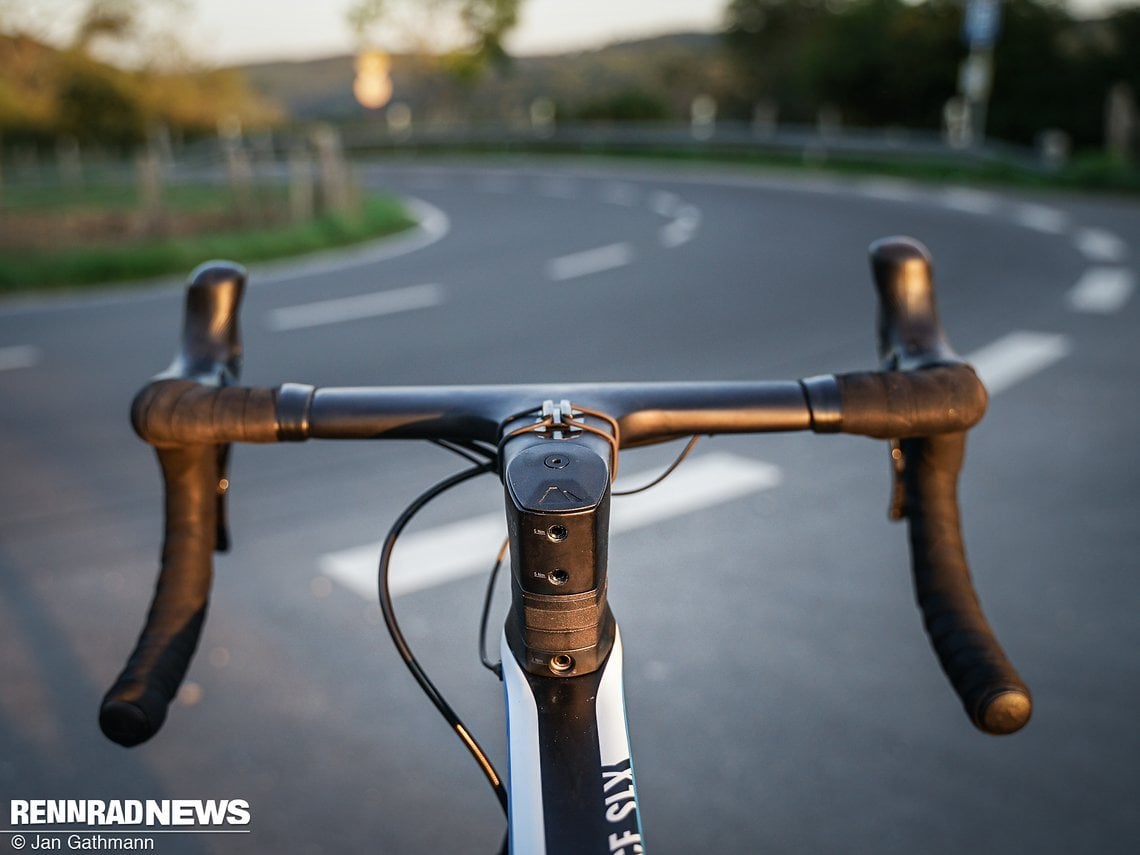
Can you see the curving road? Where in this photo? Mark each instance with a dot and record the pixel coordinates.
(782, 695)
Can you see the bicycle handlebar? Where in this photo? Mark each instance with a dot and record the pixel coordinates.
(911, 339)
(194, 482)
(924, 396)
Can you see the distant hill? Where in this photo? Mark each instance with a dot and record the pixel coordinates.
(650, 79)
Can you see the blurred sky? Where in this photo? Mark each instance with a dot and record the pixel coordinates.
(232, 31)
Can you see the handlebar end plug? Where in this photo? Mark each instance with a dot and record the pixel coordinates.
(1005, 712)
(130, 723)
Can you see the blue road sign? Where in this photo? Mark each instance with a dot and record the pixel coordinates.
(982, 22)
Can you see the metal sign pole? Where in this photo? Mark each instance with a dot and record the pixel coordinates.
(980, 29)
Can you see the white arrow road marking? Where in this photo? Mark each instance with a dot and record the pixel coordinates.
(589, 261)
(1102, 290)
(1017, 356)
(426, 559)
(356, 307)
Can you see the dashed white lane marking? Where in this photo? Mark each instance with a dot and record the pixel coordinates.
(679, 230)
(589, 261)
(1041, 218)
(970, 201)
(18, 356)
(1101, 245)
(426, 559)
(1102, 290)
(1016, 357)
(356, 307)
(620, 193)
(664, 204)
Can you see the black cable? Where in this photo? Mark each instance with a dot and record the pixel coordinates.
(672, 466)
(495, 668)
(466, 449)
(402, 645)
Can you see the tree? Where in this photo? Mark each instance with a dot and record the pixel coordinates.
(469, 32)
(51, 92)
(884, 62)
(768, 41)
(887, 62)
(96, 104)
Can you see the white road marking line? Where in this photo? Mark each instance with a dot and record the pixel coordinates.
(620, 193)
(18, 356)
(426, 559)
(888, 190)
(1017, 356)
(354, 308)
(1101, 245)
(422, 559)
(664, 204)
(1102, 290)
(969, 201)
(1041, 218)
(434, 225)
(589, 261)
(682, 228)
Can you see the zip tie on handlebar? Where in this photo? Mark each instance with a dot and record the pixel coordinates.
(555, 419)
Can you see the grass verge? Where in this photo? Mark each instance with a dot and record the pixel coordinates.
(29, 270)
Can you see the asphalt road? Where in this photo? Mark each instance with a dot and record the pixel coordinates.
(782, 695)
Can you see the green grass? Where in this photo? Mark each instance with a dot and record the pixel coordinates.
(120, 195)
(27, 270)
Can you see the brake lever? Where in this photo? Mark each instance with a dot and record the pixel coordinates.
(211, 355)
(910, 334)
